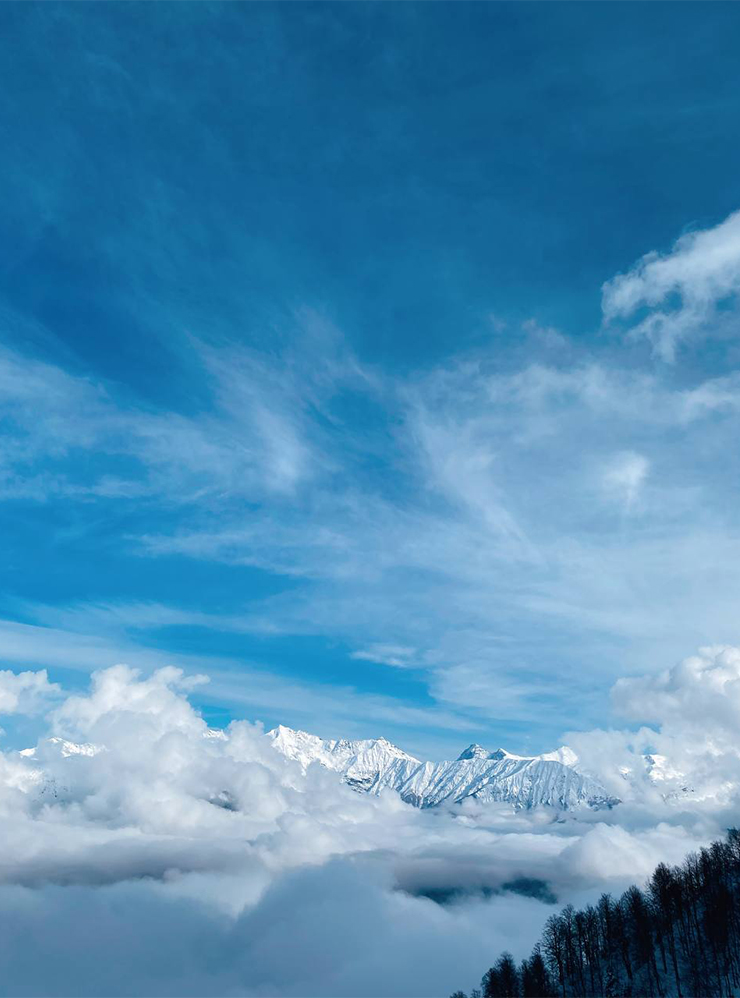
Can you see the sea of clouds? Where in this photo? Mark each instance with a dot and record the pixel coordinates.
(143, 853)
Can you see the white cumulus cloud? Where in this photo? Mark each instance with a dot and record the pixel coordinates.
(25, 692)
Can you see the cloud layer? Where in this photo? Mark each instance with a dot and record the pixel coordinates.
(134, 834)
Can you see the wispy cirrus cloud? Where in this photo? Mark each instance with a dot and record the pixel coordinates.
(261, 435)
(399, 655)
(691, 290)
(624, 477)
(512, 517)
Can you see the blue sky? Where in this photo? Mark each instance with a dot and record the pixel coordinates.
(318, 375)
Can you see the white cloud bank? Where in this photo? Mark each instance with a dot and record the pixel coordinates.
(167, 858)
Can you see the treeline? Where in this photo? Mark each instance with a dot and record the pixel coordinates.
(678, 937)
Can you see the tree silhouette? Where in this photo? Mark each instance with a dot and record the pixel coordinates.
(677, 937)
(502, 980)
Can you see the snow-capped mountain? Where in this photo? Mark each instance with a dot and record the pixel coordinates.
(361, 763)
(60, 746)
(372, 765)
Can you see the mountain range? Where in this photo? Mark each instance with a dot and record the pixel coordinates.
(557, 779)
(372, 765)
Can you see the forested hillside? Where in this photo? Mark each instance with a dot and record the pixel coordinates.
(679, 936)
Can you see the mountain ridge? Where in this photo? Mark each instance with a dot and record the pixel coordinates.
(373, 765)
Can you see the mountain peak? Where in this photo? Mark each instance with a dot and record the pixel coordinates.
(473, 751)
(476, 751)
(282, 731)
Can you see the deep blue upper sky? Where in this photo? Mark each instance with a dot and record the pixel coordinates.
(306, 381)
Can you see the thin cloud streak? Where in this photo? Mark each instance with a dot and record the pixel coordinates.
(702, 270)
(488, 513)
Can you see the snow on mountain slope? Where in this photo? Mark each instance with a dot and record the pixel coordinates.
(374, 764)
(525, 783)
(60, 746)
(361, 763)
